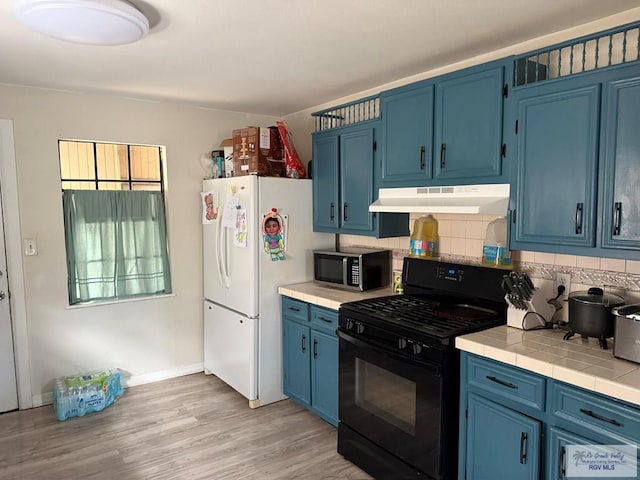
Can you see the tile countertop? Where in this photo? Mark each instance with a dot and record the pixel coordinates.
(575, 361)
(327, 296)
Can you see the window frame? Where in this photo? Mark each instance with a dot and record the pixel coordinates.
(129, 182)
(97, 180)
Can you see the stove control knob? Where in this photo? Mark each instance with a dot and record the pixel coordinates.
(359, 327)
(416, 348)
(402, 343)
(349, 324)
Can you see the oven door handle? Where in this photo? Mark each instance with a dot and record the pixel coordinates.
(394, 354)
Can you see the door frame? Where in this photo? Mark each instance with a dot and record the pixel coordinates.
(13, 246)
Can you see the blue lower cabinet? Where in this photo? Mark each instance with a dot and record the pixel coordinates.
(310, 357)
(324, 375)
(297, 376)
(507, 430)
(558, 439)
(501, 443)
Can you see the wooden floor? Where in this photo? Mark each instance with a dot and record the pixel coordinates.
(191, 427)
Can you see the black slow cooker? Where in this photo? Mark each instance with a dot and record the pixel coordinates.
(590, 314)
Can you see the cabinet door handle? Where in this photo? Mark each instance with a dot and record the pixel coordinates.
(561, 469)
(579, 209)
(295, 309)
(593, 414)
(324, 319)
(523, 448)
(332, 211)
(617, 217)
(422, 155)
(501, 382)
(315, 349)
(304, 341)
(344, 211)
(443, 152)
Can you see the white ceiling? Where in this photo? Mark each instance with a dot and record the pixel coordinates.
(277, 57)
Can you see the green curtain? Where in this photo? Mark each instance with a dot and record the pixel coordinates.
(116, 244)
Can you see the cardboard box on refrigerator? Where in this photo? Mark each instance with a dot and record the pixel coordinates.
(258, 151)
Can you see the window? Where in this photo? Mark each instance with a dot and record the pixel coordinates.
(114, 218)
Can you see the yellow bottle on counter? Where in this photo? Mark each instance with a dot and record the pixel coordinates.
(424, 237)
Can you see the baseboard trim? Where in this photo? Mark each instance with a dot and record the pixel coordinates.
(133, 380)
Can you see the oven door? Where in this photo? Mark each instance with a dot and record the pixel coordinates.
(392, 399)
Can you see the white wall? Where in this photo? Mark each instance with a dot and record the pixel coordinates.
(302, 123)
(150, 338)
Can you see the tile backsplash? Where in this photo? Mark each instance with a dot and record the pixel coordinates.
(461, 238)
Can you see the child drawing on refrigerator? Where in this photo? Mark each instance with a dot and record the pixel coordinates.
(210, 207)
(272, 227)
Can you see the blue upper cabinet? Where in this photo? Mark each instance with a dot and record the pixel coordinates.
(468, 125)
(344, 186)
(574, 190)
(407, 135)
(325, 173)
(446, 130)
(557, 153)
(356, 179)
(572, 118)
(621, 155)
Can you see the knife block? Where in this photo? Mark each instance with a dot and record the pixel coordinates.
(537, 309)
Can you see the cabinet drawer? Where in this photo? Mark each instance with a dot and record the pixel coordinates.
(594, 411)
(295, 309)
(324, 319)
(510, 384)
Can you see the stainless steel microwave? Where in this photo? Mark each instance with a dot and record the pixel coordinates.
(354, 268)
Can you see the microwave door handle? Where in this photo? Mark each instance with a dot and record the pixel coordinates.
(345, 265)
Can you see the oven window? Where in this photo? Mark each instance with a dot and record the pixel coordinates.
(386, 395)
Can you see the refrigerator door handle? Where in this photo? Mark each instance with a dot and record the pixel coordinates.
(221, 254)
(225, 258)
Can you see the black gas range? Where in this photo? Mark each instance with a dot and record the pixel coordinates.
(399, 369)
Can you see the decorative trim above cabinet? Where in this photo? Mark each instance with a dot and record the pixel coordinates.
(362, 110)
(599, 51)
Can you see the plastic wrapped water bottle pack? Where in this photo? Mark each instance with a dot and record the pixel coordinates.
(74, 396)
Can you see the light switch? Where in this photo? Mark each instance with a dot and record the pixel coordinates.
(30, 247)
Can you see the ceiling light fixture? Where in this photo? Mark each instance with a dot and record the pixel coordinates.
(91, 22)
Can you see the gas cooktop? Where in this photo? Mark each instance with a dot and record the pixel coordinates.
(425, 315)
(441, 300)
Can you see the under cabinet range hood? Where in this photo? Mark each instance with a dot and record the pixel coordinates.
(482, 199)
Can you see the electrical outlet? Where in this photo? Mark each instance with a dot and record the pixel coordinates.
(563, 279)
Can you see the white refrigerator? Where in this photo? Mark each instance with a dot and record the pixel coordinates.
(242, 316)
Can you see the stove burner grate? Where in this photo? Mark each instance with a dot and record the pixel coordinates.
(429, 315)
